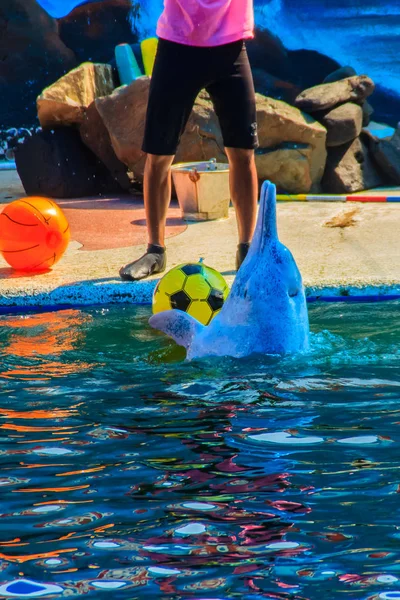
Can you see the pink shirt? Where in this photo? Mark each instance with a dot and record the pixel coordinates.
(206, 22)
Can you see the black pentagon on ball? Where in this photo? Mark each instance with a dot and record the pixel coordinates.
(192, 269)
(215, 299)
(180, 300)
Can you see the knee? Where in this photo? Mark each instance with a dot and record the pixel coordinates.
(158, 164)
(240, 157)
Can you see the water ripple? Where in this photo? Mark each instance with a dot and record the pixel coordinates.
(124, 468)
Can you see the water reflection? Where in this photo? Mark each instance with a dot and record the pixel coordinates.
(37, 344)
(125, 469)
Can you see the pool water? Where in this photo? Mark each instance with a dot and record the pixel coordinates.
(127, 472)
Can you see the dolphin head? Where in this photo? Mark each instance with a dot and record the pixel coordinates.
(268, 291)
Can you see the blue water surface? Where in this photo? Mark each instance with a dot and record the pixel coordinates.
(127, 472)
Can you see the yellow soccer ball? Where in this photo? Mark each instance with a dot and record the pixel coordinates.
(194, 288)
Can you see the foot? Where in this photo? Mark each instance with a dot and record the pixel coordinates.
(241, 254)
(154, 261)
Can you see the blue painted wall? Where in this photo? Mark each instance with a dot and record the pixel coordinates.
(359, 33)
(60, 8)
(362, 33)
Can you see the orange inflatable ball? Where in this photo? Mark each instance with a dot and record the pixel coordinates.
(34, 234)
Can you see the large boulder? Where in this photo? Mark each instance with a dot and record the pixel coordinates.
(92, 30)
(339, 74)
(124, 113)
(274, 87)
(288, 166)
(32, 56)
(350, 169)
(309, 67)
(65, 101)
(267, 52)
(369, 139)
(343, 123)
(56, 163)
(279, 123)
(95, 136)
(387, 155)
(202, 138)
(395, 139)
(368, 111)
(328, 95)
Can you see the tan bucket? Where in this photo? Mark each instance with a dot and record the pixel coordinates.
(202, 189)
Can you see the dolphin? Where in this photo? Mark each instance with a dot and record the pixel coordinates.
(266, 310)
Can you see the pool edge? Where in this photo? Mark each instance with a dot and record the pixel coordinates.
(140, 293)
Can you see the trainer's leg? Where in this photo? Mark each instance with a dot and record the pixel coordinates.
(171, 97)
(232, 93)
(157, 196)
(243, 183)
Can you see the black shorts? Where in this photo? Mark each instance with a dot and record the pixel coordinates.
(180, 73)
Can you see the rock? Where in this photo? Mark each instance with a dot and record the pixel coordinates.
(57, 164)
(343, 123)
(95, 136)
(32, 56)
(309, 67)
(344, 73)
(202, 138)
(92, 30)
(288, 166)
(395, 139)
(387, 156)
(339, 74)
(369, 139)
(368, 111)
(64, 102)
(279, 123)
(124, 112)
(267, 52)
(328, 95)
(350, 169)
(271, 86)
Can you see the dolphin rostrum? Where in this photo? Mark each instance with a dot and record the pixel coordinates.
(266, 310)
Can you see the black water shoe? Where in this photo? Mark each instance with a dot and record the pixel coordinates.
(154, 261)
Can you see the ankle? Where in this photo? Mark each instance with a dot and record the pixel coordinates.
(155, 249)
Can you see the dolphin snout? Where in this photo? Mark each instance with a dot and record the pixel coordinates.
(266, 229)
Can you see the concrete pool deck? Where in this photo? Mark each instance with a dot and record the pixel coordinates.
(342, 249)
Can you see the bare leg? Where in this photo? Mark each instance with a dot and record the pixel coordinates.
(157, 196)
(243, 182)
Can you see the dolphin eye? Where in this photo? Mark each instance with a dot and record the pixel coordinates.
(293, 293)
